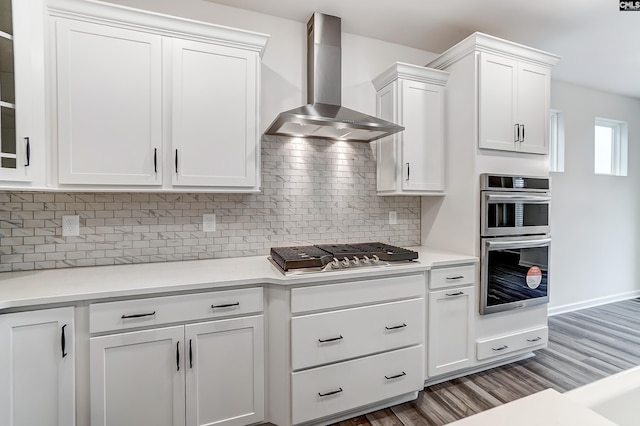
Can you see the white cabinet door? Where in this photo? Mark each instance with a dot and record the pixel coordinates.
(450, 330)
(497, 102)
(109, 104)
(22, 95)
(37, 382)
(215, 115)
(137, 378)
(225, 372)
(533, 107)
(422, 141)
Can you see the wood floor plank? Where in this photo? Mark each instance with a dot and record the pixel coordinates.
(584, 346)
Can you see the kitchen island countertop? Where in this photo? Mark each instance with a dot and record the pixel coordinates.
(73, 285)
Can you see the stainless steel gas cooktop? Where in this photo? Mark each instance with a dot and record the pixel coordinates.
(333, 257)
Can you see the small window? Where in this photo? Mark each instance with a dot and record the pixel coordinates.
(610, 147)
(556, 142)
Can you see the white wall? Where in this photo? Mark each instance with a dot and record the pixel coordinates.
(284, 63)
(595, 220)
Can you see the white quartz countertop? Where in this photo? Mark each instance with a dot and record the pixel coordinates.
(70, 285)
(545, 408)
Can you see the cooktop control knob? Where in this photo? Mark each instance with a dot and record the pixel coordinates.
(355, 261)
(345, 262)
(335, 264)
(375, 259)
(366, 260)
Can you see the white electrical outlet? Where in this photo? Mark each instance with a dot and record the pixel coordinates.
(393, 218)
(209, 222)
(70, 225)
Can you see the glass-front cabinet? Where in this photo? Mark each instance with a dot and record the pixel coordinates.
(21, 94)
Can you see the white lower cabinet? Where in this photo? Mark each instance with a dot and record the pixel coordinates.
(196, 374)
(521, 341)
(37, 380)
(450, 338)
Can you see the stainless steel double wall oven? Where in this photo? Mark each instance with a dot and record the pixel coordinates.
(516, 240)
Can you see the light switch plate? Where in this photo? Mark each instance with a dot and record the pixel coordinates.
(70, 225)
(209, 222)
(393, 218)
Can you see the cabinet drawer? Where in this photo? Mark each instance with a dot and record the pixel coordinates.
(334, 336)
(155, 311)
(332, 296)
(329, 390)
(529, 339)
(450, 277)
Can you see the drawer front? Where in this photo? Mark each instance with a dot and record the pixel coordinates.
(334, 336)
(329, 390)
(332, 296)
(526, 340)
(122, 315)
(450, 277)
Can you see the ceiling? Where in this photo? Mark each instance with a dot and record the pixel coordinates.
(598, 43)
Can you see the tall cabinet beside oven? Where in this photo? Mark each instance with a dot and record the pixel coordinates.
(496, 121)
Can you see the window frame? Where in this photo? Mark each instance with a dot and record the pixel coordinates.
(619, 132)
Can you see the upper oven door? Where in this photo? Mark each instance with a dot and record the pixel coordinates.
(515, 213)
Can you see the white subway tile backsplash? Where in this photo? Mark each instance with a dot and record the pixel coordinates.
(313, 191)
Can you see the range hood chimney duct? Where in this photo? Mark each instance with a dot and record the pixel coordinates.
(324, 117)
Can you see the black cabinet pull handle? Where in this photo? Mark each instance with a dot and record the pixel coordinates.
(395, 327)
(226, 305)
(396, 376)
(535, 339)
(501, 348)
(148, 314)
(178, 355)
(457, 277)
(28, 152)
(63, 342)
(190, 355)
(333, 339)
(458, 293)
(176, 161)
(155, 160)
(330, 393)
(408, 171)
(522, 133)
(517, 133)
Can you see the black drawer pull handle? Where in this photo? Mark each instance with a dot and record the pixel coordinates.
(190, 354)
(333, 339)
(458, 293)
(522, 135)
(148, 314)
(155, 160)
(28, 152)
(178, 356)
(501, 348)
(63, 342)
(395, 327)
(457, 277)
(330, 393)
(176, 161)
(534, 339)
(226, 305)
(396, 376)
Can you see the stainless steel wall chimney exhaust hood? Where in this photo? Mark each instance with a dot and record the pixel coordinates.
(323, 117)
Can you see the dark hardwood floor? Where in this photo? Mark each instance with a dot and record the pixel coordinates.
(584, 346)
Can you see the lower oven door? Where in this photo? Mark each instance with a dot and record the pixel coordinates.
(514, 272)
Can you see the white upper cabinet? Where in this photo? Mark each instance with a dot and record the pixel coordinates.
(22, 95)
(411, 162)
(214, 115)
(144, 101)
(109, 104)
(514, 105)
(512, 87)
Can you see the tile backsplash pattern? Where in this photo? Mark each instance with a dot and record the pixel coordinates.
(314, 191)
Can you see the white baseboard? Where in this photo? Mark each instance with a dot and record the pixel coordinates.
(593, 302)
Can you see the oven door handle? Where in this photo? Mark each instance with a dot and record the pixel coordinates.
(519, 243)
(532, 199)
